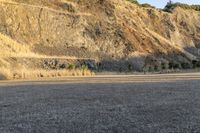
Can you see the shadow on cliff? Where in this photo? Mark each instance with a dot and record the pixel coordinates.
(114, 64)
(151, 61)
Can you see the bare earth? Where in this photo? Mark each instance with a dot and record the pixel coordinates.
(102, 104)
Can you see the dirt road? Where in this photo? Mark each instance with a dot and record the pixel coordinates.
(102, 104)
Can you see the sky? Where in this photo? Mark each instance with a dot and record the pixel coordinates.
(162, 3)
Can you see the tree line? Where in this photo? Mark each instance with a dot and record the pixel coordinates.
(170, 5)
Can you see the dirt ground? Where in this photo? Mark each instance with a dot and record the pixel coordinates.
(102, 104)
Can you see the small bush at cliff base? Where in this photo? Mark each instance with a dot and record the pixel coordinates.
(185, 65)
(194, 63)
(198, 64)
(164, 65)
(71, 66)
(174, 65)
(84, 67)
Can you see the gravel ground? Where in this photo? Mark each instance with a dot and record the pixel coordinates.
(132, 107)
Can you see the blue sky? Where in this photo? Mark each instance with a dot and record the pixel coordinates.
(162, 3)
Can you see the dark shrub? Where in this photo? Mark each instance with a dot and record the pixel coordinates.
(194, 63)
(174, 65)
(198, 63)
(151, 69)
(177, 66)
(164, 65)
(156, 68)
(171, 64)
(185, 65)
(130, 68)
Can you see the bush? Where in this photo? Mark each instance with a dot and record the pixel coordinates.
(130, 68)
(164, 65)
(194, 63)
(174, 65)
(198, 63)
(134, 1)
(185, 65)
(156, 68)
(146, 5)
(171, 64)
(71, 66)
(177, 66)
(84, 67)
(151, 69)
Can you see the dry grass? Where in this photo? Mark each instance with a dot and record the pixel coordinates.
(10, 48)
(33, 74)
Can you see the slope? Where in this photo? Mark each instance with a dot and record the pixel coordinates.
(116, 33)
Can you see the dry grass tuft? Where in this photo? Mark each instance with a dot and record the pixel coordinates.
(33, 74)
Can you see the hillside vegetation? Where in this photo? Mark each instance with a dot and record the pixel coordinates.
(111, 35)
(170, 6)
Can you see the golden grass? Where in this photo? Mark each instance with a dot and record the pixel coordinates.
(33, 74)
(11, 48)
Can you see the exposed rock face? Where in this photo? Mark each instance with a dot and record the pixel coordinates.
(114, 32)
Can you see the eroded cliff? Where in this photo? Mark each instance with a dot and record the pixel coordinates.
(115, 33)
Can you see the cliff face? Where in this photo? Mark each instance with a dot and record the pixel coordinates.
(113, 32)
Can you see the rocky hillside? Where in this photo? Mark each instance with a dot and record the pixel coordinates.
(117, 34)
